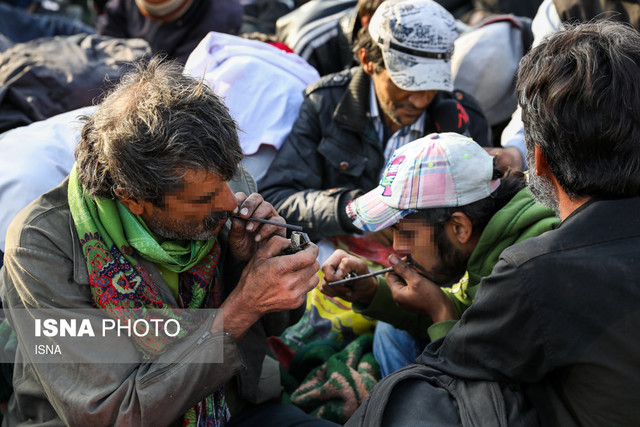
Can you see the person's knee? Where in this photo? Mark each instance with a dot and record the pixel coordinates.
(394, 348)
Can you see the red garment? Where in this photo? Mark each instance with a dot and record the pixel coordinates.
(281, 46)
(365, 247)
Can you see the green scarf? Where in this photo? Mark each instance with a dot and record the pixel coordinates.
(112, 239)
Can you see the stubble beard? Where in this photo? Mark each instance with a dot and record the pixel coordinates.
(188, 230)
(541, 188)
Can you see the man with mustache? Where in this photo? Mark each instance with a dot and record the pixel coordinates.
(451, 212)
(140, 230)
(351, 122)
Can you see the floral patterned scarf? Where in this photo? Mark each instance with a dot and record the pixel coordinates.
(112, 239)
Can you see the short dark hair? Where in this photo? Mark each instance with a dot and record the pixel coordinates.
(580, 102)
(155, 124)
(480, 212)
(373, 51)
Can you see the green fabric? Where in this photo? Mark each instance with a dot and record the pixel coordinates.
(112, 238)
(518, 220)
(337, 386)
(171, 279)
(440, 329)
(311, 356)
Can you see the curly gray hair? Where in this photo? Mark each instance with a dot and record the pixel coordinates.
(152, 127)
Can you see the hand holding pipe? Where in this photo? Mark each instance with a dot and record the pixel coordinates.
(351, 278)
(266, 221)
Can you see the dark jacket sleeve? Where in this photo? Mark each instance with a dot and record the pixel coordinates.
(295, 180)
(490, 341)
(478, 127)
(113, 22)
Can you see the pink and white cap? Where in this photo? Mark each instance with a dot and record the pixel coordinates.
(438, 170)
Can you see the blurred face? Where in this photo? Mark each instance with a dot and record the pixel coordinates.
(430, 251)
(399, 107)
(196, 211)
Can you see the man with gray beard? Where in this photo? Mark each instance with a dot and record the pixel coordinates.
(549, 338)
(154, 223)
(541, 187)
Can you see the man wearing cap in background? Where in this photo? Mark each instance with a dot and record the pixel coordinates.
(351, 122)
(450, 213)
(172, 27)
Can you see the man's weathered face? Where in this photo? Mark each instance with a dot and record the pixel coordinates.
(196, 211)
(433, 254)
(399, 107)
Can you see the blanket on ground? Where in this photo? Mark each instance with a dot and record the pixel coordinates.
(340, 382)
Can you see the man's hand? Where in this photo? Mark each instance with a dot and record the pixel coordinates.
(384, 236)
(245, 235)
(336, 267)
(414, 292)
(507, 158)
(270, 283)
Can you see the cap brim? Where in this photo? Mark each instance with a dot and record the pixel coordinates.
(412, 73)
(369, 213)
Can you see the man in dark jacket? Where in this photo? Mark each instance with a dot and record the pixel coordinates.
(172, 27)
(351, 122)
(452, 211)
(558, 315)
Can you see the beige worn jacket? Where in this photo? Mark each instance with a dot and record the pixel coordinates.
(45, 268)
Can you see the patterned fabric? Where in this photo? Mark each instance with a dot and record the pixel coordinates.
(374, 253)
(327, 319)
(439, 170)
(341, 380)
(112, 238)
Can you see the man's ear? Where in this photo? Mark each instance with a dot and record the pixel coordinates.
(542, 165)
(461, 227)
(134, 205)
(367, 65)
